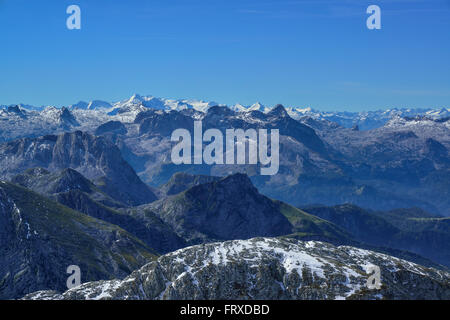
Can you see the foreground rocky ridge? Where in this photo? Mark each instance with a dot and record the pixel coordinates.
(267, 268)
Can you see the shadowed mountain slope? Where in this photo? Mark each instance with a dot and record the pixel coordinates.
(40, 238)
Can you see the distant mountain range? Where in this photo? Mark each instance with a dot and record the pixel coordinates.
(93, 185)
(127, 109)
(405, 163)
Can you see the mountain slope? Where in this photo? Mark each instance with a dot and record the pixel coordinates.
(68, 187)
(300, 220)
(50, 184)
(409, 230)
(264, 268)
(145, 225)
(40, 238)
(45, 182)
(182, 181)
(94, 157)
(232, 208)
(320, 162)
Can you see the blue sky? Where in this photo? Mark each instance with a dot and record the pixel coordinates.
(315, 53)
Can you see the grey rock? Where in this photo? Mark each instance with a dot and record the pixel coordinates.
(40, 238)
(182, 181)
(230, 208)
(68, 187)
(265, 268)
(94, 157)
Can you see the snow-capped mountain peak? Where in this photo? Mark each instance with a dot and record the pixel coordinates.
(99, 104)
(92, 105)
(21, 119)
(79, 105)
(238, 108)
(258, 107)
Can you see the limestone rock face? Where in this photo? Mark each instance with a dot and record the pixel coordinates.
(96, 158)
(267, 268)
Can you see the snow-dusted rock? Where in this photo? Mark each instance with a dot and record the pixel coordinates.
(267, 268)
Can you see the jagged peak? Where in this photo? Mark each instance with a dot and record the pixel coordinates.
(279, 110)
(216, 109)
(65, 112)
(231, 185)
(37, 171)
(240, 179)
(135, 97)
(14, 108)
(72, 172)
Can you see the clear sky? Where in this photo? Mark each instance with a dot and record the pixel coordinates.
(315, 53)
